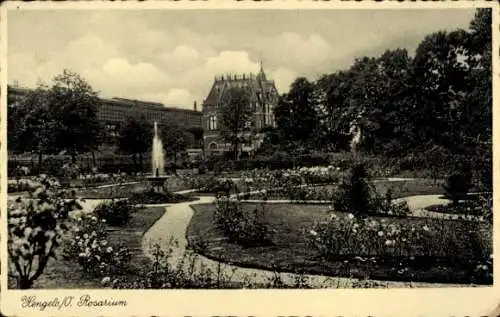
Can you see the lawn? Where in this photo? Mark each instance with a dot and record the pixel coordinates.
(61, 273)
(398, 188)
(118, 191)
(288, 251)
(413, 187)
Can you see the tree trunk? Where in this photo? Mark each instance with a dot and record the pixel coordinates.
(140, 162)
(93, 159)
(134, 160)
(25, 283)
(73, 157)
(235, 150)
(175, 163)
(39, 161)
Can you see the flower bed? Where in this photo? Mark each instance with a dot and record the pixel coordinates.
(22, 185)
(307, 238)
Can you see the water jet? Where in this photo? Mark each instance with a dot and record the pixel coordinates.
(158, 179)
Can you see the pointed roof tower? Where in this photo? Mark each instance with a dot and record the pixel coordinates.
(261, 76)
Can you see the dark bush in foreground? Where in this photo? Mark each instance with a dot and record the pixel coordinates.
(354, 193)
(458, 185)
(357, 196)
(116, 212)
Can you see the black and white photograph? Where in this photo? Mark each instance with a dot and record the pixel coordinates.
(249, 149)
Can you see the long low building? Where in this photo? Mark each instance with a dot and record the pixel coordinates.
(113, 112)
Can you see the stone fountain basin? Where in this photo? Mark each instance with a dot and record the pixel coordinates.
(158, 179)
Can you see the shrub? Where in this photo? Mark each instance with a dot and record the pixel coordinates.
(217, 185)
(87, 244)
(458, 185)
(116, 212)
(357, 196)
(386, 205)
(21, 185)
(239, 224)
(354, 193)
(35, 226)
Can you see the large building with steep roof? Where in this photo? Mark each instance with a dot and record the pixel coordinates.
(263, 99)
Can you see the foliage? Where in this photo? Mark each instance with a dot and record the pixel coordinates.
(458, 185)
(87, 243)
(357, 195)
(32, 123)
(36, 224)
(217, 185)
(116, 212)
(135, 137)
(354, 193)
(175, 140)
(21, 185)
(238, 224)
(438, 99)
(235, 117)
(296, 113)
(74, 103)
(152, 197)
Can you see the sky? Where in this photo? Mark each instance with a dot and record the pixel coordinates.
(172, 56)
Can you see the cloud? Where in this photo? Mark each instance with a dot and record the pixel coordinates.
(176, 97)
(295, 51)
(117, 77)
(282, 77)
(172, 56)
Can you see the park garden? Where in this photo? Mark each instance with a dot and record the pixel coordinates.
(407, 204)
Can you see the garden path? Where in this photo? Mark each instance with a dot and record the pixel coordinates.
(173, 225)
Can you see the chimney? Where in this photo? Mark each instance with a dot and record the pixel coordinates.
(195, 106)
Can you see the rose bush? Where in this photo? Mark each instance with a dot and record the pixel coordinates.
(36, 224)
(342, 236)
(22, 185)
(239, 224)
(87, 243)
(116, 212)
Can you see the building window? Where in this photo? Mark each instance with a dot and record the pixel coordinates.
(212, 123)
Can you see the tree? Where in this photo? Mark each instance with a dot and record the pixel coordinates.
(296, 114)
(478, 102)
(235, 115)
(175, 140)
(75, 103)
(439, 72)
(32, 124)
(337, 116)
(135, 137)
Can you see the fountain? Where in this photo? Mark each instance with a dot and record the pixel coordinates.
(157, 179)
